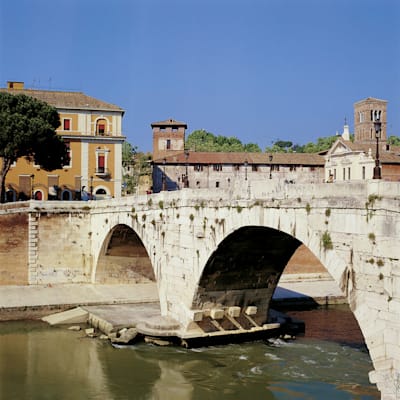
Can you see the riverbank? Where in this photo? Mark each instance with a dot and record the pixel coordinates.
(32, 302)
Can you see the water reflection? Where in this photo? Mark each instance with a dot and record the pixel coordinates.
(41, 362)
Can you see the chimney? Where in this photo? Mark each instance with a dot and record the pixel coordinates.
(15, 85)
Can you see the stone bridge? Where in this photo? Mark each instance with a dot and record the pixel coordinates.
(224, 251)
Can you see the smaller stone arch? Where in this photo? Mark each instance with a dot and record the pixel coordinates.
(123, 258)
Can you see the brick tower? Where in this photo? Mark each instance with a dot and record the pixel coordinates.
(168, 138)
(366, 112)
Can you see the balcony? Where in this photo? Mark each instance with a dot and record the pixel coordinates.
(103, 172)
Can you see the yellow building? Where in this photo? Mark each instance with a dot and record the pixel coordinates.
(92, 129)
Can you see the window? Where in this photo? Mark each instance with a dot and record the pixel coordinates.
(363, 172)
(254, 168)
(101, 162)
(168, 146)
(348, 173)
(101, 125)
(344, 174)
(198, 167)
(67, 124)
(217, 167)
(292, 168)
(217, 184)
(236, 167)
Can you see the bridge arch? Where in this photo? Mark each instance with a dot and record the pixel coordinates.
(244, 269)
(123, 258)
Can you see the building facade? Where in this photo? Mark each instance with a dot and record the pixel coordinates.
(175, 167)
(92, 130)
(350, 160)
(366, 112)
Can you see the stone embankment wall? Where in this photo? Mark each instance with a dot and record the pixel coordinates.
(44, 244)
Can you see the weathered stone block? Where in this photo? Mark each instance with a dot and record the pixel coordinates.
(217, 313)
(234, 311)
(251, 310)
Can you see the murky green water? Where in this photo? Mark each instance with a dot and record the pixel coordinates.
(42, 362)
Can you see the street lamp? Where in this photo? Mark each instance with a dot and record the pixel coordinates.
(186, 184)
(377, 168)
(164, 181)
(245, 169)
(32, 192)
(91, 187)
(270, 166)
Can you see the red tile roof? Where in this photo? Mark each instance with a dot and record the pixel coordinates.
(169, 122)
(66, 100)
(241, 158)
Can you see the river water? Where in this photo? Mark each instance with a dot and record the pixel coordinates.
(330, 362)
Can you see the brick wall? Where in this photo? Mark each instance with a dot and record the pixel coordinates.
(14, 249)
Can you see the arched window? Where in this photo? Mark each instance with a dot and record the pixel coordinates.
(66, 195)
(38, 195)
(11, 195)
(101, 127)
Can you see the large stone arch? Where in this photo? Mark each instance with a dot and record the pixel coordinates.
(244, 270)
(123, 258)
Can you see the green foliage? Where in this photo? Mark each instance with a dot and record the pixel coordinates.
(201, 140)
(135, 165)
(28, 129)
(308, 208)
(282, 146)
(394, 140)
(161, 204)
(328, 212)
(327, 241)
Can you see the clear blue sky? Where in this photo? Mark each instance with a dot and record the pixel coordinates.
(259, 70)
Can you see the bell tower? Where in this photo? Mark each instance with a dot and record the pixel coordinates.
(366, 112)
(168, 138)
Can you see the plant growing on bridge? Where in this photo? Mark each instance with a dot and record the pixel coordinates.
(370, 204)
(28, 129)
(150, 202)
(144, 217)
(371, 237)
(328, 212)
(191, 217)
(239, 209)
(308, 208)
(161, 204)
(153, 222)
(327, 241)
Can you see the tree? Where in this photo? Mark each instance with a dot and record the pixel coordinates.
(283, 146)
(135, 164)
(201, 140)
(394, 140)
(28, 129)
